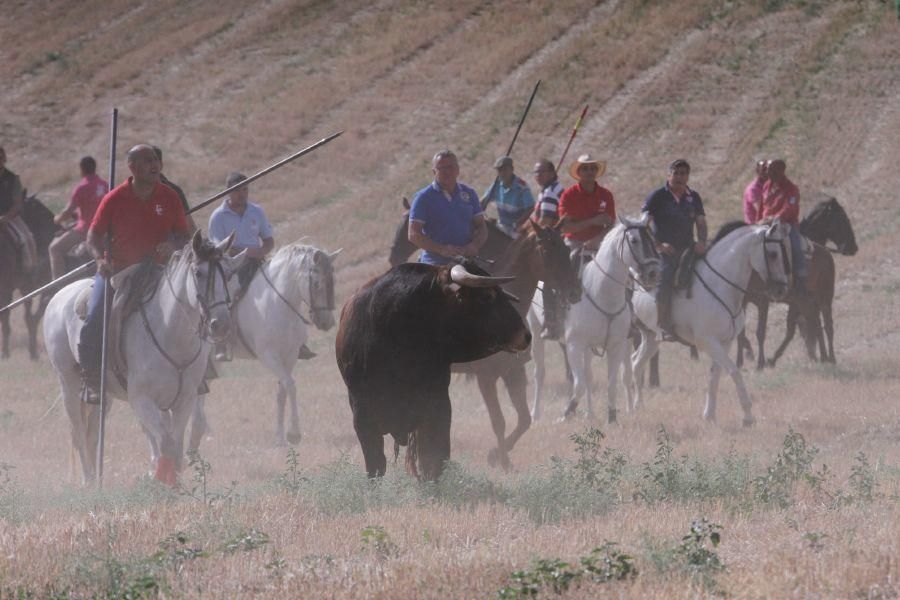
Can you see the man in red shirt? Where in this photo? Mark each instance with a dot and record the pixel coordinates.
(753, 194)
(143, 219)
(82, 205)
(781, 199)
(586, 210)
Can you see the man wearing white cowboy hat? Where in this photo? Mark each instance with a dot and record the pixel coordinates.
(586, 210)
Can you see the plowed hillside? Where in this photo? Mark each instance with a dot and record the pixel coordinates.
(230, 85)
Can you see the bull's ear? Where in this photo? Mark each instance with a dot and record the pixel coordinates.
(197, 242)
(405, 203)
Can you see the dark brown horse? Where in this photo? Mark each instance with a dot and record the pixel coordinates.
(826, 222)
(40, 221)
(538, 254)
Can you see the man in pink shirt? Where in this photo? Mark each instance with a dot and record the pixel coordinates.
(753, 195)
(82, 206)
(781, 199)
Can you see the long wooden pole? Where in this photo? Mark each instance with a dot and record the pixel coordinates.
(572, 137)
(78, 270)
(490, 195)
(107, 296)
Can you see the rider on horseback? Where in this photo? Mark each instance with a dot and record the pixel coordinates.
(12, 197)
(144, 219)
(512, 195)
(546, 213)
(674, 210)
(253, 234)
(781, 199)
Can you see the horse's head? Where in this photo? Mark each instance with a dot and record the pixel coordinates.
(773, 259)
(211, 267)
(321, 289)
(401, 247)
(829, 222)
(641, 255)
(558, 270)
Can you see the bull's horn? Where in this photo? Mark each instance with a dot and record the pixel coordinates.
(459, 274)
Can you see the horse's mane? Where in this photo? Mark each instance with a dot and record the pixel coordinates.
(612, 234)
(727, 228)
(294, 257)
(822, 206)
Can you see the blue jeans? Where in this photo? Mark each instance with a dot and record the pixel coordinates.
(799, 260)
(90, 339)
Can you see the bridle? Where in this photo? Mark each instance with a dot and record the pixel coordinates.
(329, 295)
(215, 269)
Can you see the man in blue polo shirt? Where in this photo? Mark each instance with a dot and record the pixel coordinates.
(514, 199)
(446, 219)
(674, 209)
(253, 234)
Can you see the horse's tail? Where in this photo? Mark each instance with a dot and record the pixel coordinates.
(412, 454)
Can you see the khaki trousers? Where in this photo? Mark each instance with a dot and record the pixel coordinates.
(59, 248)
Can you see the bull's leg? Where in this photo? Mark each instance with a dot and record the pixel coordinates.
(372, 443)
(488, 386)
(434, 440)
(31, 323)
(516, 386)
(4, 326)
(762, 321)
(829, 330)
(537, 355)
(790, 329)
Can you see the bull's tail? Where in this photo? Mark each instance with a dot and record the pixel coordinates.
(412, 454)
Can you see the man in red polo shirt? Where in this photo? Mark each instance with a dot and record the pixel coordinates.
(143, 218)
(586, 210)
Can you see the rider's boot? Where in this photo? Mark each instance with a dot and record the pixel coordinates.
(552, 326)
(89, 360)
(664, 313)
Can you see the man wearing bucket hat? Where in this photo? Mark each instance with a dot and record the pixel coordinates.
(675, 209)
(514, 199)
(586, 210)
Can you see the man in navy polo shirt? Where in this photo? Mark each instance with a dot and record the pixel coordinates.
(446, 219)
(674, 209)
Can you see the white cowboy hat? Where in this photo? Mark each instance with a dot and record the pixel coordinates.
(587, 159)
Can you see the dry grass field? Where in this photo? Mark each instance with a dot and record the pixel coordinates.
(805, 504)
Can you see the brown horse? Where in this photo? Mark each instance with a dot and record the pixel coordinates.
(40, 220)
(827, 221)
(538, 254)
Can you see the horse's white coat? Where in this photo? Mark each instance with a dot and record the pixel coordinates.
(273, 331)
(174, 314)
(701, 319)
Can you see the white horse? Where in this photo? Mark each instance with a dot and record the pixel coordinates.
(165, 345)
(271, 322)
(602, 319)
(710, 315)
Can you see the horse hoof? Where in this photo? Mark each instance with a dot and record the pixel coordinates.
(748, 421)
(711, 417)
(611, 416)
(294, 438)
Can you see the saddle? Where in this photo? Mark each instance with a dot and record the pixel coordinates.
(684, 274)
(131, 286)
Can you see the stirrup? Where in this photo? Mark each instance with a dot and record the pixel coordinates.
(89, 395)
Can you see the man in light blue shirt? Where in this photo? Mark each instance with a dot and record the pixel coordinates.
(446, 220)
(253, 234)
(513, 197)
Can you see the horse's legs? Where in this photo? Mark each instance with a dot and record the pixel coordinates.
(537, 355)
(488, 386)
(628, 379)
(79, 418)
(615, 356)
(565, 353)
(719, 354)
(829, 330)
(517, 388)
(180, 416)
(280, 404)
(293, 434)
(649, 347)
(578, 361)
(199, 424)
(715, 372)
(790, 329)
(287, 394)
(762, 322)
(371, 442)
(742, 344)
(154, 424)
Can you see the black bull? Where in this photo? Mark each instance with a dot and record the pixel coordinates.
(397, 338)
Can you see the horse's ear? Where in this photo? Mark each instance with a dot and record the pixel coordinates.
(225, 245)
(536, 227)
(621, 220)
(333, 255)
(197, 242)
(405, 203)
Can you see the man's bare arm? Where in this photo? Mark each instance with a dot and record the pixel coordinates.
(417, 236)
(570, 225)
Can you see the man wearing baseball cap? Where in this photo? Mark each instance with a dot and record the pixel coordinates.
(514, 199)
